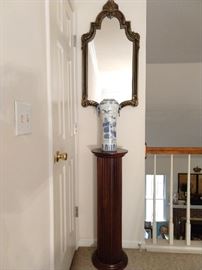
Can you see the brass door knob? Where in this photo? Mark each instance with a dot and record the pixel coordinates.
(60, 156)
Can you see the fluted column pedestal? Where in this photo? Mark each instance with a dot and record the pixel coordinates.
(109, 253)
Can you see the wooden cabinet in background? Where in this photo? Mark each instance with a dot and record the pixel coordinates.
(195, 182)
(179, 220)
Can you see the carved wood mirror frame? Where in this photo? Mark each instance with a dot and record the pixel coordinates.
(110, 10)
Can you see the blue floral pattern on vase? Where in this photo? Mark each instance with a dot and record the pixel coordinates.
(109, 109)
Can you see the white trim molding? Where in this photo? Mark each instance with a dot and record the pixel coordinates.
(161, 247)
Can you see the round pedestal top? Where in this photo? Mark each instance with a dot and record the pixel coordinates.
(100, 153)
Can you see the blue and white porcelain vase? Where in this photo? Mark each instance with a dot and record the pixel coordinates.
(109, 110)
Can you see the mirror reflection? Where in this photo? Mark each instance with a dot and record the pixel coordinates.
(110, 63)
(173, 119)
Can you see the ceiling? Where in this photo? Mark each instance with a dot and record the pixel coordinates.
(174, 31)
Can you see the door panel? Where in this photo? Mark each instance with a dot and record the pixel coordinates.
(63, 119)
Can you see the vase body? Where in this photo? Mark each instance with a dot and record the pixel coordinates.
(109, 110)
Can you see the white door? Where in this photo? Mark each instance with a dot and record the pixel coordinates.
(63, 138)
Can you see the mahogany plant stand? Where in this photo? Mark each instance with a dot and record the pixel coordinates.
(109, 254)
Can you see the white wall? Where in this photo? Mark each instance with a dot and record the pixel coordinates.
(174, 104)
(24, 160)
(131, 135)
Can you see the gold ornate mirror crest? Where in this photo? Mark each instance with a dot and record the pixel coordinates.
(110, 10)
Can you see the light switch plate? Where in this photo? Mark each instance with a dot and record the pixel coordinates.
(23, 118)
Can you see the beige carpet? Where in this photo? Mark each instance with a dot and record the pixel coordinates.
(142, 260)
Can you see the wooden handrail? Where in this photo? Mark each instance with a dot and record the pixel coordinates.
(174, 150)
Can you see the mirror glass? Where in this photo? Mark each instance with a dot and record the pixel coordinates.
(174, 111)
(110, 63)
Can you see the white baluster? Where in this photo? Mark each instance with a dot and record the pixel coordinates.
(171, 202)
(188, 226)
(154, 203)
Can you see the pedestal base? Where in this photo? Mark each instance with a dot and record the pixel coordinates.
(118, 266)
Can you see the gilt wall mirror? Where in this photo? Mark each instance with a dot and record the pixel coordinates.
(110, 59)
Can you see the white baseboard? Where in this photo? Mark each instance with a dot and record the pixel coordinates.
(133, 244)
(126, 244)
(174, 249)
(87, 243)
(149, 247)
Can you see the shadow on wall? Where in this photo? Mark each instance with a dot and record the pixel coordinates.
(23, 183)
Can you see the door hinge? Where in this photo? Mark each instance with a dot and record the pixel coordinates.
(74, 40)
(76, 211)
